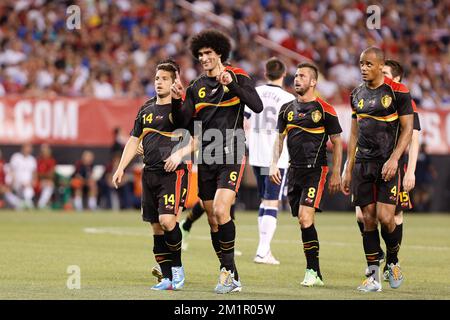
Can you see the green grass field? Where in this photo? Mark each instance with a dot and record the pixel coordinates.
(114, 252)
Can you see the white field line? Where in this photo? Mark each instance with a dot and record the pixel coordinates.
(132, 232)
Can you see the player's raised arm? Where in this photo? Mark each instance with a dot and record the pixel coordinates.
(182, 111)
(244, 88)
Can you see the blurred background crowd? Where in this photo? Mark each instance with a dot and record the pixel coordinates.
(114, 52)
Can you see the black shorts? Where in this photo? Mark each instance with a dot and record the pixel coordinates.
(305, 187)
(368, 186)
(219, 176)
(404, 201)
(162, 193)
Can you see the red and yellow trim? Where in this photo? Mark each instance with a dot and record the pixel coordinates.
(321, 186)
(163, 133)
(388, 118)
(228, 103)
(317, 130)
(241, 173)
(178, 191)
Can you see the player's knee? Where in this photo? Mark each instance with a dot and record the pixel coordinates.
(398, 218)
(359, 214)
(305, 221)
(167, 221)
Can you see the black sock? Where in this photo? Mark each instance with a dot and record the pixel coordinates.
(193, 216)
(361, 226)
(371, 243)
(400, 233)
(173, 240)
(392, 241)
(216, 245)
(232, 209)
(227, 233)
(163, 256)
(311, 248)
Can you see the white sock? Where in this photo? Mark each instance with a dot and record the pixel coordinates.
(12, 199)
(28, 194)
(268, 226)
(260, 215)
(78, 203)
(92, 203)
(46, 194)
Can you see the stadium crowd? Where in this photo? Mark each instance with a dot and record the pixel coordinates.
(114, 52)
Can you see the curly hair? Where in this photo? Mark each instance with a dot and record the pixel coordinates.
(213, 39)
(168, 65)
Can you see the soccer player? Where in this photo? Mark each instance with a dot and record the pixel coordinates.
(22, 167)
(381, 129)
(46, 174)
(308, 122)
(164, 176)
(217, 99)
(262, 136)
(393, 70)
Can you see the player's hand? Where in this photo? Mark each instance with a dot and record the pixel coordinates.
(275, 174)
(335, 183)
(389, 169)
(177, 88)
(409, 181)
(224, 77)
(172, 162)
(140, 149)
(117, 177)
(346, 181)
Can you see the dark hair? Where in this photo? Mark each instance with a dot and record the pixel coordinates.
(396, 68)
(170, 66)
(275, 68)
(310, 66)
(213, 39)
(378, 52)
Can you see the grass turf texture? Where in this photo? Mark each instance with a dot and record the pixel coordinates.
(114, 252)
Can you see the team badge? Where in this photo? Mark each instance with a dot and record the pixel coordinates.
(386, 101)
(316, 116)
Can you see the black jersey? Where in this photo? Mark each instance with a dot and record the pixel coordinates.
(377, 112)
(308, 125)
(154, 125)
(218, 107)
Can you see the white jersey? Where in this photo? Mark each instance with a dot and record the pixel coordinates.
(22, 168)
(263, 131)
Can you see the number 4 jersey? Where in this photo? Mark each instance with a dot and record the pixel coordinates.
(263, 131)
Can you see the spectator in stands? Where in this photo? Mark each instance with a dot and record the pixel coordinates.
(425, 175)
(120, 41)
(5, 190)
(83, 182)
(22, 168)
(46, 175)
(119, 141)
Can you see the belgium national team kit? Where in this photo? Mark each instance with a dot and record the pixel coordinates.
(377, 112)
(162, 192)
(307, 125)
(404, 200)
(218, 114)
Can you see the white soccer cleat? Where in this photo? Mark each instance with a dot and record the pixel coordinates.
(268, 259)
